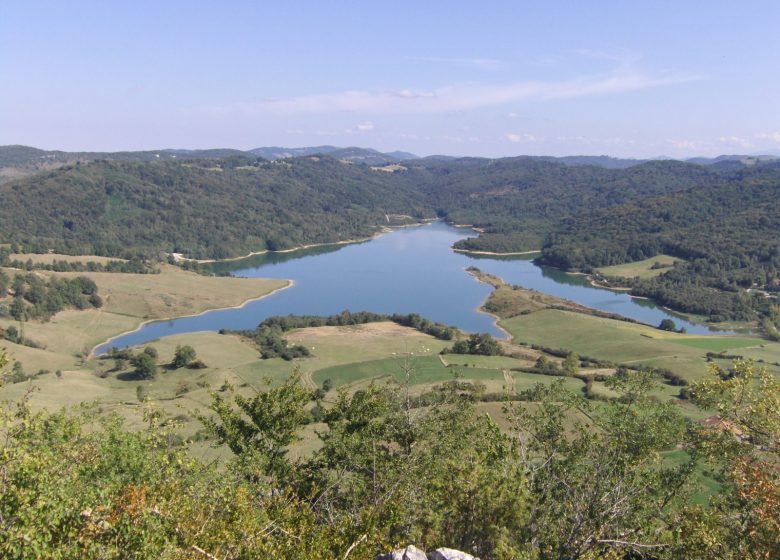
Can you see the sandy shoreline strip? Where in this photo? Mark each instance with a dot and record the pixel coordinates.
(492, 254)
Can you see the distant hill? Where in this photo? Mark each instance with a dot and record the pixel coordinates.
(726, 159)
(606, 162)
(25, 155)
(357, 155)
(21, 161)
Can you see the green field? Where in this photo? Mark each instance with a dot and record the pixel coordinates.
(230, 359)
(624, 342)
(640, 269)
(494, 362)
(719, 344)
(424, 370)
(705, 484)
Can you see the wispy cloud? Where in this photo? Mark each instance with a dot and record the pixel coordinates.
(453, 97)
(771, 136)
(735, 141)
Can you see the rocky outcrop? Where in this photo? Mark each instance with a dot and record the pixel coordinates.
(411, 552)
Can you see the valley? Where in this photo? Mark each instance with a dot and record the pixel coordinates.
(222, 292)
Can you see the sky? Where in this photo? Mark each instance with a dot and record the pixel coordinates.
(624, 78)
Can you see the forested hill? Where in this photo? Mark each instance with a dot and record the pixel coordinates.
(203, 208)
(215, 208)
(518, 201)
(20, 161)
(726, 234)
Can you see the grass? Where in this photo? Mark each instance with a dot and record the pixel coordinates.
(620, 341)
(705, 484)
(496, 362)
(425, 370)
(129, 300)
(175, 292)
(341, 345)
(719, 344)
(640, 269)
(229, 359)
(524, 381)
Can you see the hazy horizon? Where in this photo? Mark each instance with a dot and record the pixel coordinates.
(421, 155)
(495, 80)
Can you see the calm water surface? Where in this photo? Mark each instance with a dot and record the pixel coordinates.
(411, 270)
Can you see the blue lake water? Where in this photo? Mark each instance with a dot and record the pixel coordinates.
(411, 270)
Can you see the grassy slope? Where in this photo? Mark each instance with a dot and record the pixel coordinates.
(129, 300)
(641, 269)
(615, 340)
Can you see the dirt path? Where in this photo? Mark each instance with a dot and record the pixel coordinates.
(646, 359)
(509, 379)
(307, 380)
(443, 361)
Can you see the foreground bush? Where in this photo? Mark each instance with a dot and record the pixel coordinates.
(568, 478)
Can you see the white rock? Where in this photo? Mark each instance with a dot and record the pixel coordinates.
(450, 554)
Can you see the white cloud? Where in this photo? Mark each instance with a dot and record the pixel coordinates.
(365, 126)
(735, 141)
(451, 98)
(517, 138)
(513, 115)
(683, 144)
(773, 136)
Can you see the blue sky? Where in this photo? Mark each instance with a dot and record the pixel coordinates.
(624, 78)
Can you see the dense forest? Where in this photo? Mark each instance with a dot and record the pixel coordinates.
(726, 236)
(216, 208)
(718, 218)
(517, 201)
(202, 208)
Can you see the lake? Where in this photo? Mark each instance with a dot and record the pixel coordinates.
(410, 270)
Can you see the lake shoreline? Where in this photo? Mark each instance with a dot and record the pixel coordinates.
(92, 354)
(412, 237)
(178, 257)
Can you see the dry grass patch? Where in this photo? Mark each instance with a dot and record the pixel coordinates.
(175, 292)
